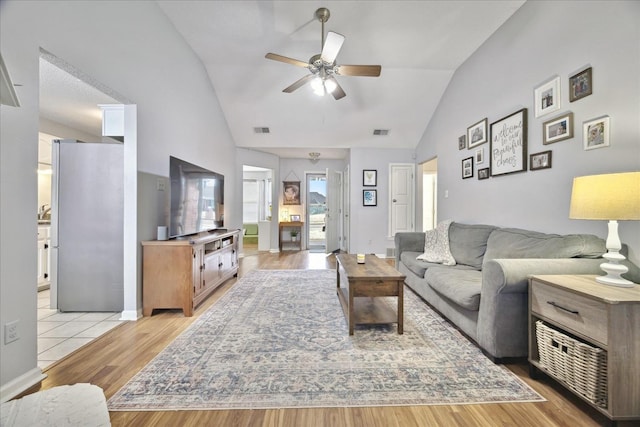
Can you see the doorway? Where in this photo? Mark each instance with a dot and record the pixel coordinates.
(316, 209)
(257, 196)
(61, 84)
(430, 194)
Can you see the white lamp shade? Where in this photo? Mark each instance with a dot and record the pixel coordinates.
(613, 196)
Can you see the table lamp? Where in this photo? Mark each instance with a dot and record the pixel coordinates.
(611, 197)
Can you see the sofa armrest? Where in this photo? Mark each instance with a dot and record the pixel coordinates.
(502, 319)
(512, 275)
(411, 241)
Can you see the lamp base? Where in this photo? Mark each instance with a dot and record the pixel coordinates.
(611, 280)
(613, 267)
(614, 270)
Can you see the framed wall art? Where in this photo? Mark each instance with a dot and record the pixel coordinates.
(580, 85)
(477, 134)
(462, 142)
(508, 151)
(546, 97)
(596, 133)
(541, 160)
(369, 177)
(557, 129)
(369, 197)
(479, 156)
(291, 192)
(483, 173)
(467, 168)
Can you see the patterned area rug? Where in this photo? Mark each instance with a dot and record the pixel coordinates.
(279, 339)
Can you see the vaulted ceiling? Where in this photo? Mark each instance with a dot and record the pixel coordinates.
(419, 45)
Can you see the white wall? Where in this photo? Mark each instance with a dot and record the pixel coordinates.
(369, 224)
(178, 114)
(543, 39)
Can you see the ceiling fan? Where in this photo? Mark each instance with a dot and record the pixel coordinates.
(323, 66)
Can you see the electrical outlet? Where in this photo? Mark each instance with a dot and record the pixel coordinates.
(160, 184)
(11, 332)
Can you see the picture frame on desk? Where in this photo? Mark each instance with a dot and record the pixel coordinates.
(295, 218)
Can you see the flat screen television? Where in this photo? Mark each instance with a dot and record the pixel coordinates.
(197, 199)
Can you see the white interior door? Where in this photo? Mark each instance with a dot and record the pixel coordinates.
(401, 198)
(344, 242)
(333, 210)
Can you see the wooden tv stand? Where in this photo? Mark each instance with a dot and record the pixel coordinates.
(181, 273)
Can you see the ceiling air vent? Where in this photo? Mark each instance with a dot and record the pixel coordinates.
(261, 130)
(381, 132)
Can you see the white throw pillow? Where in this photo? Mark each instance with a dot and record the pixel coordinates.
(436, 245)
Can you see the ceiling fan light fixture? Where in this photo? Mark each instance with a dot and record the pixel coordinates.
(330, 85)
(317, 86)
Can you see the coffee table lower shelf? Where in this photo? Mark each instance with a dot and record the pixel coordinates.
(367, 310)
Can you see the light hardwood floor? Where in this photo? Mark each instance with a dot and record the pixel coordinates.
(111, 360)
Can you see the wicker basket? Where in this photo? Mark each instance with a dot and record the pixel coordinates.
(581, 366)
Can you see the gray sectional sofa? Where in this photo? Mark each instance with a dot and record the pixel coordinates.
(485, 293)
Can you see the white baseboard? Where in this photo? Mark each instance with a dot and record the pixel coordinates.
(131, 314)
(23, 382)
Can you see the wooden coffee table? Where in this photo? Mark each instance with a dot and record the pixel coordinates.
(362, 283)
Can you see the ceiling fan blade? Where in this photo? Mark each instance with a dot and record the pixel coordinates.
(299, 83)
(331, 47)
(286, 60)
(358, 70)
(337, 93)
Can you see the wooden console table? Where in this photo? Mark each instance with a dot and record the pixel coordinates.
(294, 225)
(181, 273)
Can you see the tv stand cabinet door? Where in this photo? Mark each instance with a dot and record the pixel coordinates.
(168, 277)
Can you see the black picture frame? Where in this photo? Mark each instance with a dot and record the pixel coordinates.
(369, 197)
(462, 142)
(581, 84)
(541, 160)
(508, 151)
(477, 134)
(369, 177)
(467, 168)
(484, 173)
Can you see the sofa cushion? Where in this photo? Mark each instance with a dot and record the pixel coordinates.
(458, 285)
(468, 243)
(417, 267)
(517, 243)
(436, 245)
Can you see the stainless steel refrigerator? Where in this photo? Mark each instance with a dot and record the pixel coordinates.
(87, 215)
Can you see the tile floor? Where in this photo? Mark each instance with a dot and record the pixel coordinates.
(59, 334)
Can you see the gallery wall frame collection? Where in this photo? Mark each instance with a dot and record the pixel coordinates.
(508, 136)
(369, 179)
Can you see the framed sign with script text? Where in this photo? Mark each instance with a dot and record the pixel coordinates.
(508, 150)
